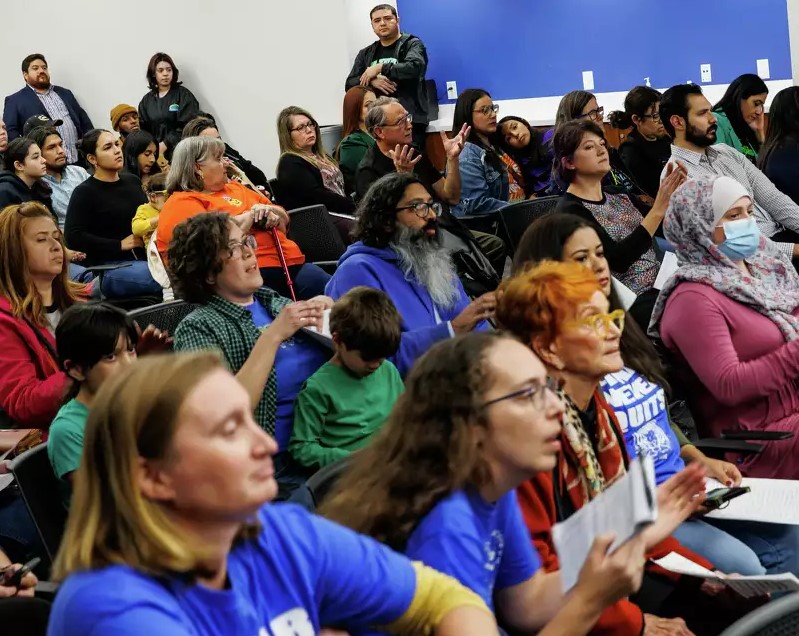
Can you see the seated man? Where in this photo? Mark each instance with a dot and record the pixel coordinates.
(688, 118)
(398, 250)
(124, 120)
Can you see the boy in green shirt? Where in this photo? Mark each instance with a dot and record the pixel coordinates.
(349, 398)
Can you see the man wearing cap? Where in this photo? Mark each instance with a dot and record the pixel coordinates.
(39, 97)
(124, 119)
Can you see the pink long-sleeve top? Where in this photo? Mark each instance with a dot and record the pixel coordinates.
(746, 370)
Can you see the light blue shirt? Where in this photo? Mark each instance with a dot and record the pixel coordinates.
(57, 109)
(71, 178)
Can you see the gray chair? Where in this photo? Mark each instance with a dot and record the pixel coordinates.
(311, 228)
(777, 618)
(515, 218)
(164, 316)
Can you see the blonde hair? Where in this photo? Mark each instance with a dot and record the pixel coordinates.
(287, 146)
(135, 415)
(188, 153)
(15, 280)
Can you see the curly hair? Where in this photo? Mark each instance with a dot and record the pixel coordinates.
(377, 214)
(425, 450)
(195, 255)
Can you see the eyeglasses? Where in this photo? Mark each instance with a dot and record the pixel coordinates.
(309, 125)
(654, 117)
(235, 247)
(535, 393)
(600, 323)
(161, 192)
(422, 210)
(487, 110)
(598, 114)
(402, 121)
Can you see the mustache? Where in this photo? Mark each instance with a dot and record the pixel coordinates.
(421, 234)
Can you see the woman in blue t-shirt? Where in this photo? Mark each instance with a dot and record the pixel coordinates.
(477, 419)
(638, 394)
(168, 533)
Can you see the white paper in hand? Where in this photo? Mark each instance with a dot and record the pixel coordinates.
(667, 269)
(324, 336)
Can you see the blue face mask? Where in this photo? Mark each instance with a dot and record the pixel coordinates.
(743, 239)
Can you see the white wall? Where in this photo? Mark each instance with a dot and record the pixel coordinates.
(359, 26)
(243, 59)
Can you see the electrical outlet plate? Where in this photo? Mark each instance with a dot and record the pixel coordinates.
(452, 90)
(588, 80)
(705, 73)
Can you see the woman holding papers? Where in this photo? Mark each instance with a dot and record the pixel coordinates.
(449, 461)
(730, 314)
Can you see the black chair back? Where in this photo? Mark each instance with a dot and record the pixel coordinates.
(22, 616)
(777, 618)
(41, 492)
(274, 187)
(311, 228)
(164, 316)
(321, 482)
(514, 219)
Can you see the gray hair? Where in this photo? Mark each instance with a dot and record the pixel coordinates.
(188, 153)
(376, 116)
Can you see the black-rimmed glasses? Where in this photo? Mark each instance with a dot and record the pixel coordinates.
(487, 110)
(422, 209)
(598, 114)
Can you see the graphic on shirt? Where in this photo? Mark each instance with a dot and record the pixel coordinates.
(295, 622)
(173, 108)
(493, 548)
(385, 60)
(231, 200)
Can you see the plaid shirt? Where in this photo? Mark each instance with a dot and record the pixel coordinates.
(57, 109)
(774, 211)
(229, 328)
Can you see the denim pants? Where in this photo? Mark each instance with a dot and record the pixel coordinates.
(291, 478)
(134, 280)
(309, 280)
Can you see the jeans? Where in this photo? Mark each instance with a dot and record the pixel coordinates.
(309, 280)
(134, 280)
(18, 535)
(79, 273)
(291, 478)
(727, 553)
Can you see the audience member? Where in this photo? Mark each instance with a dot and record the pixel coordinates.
(741, 115)
(647, 148)
(395, 65)
(343, 404)
(356, 139)
(399, 252)
(525, 146)
(187, 544)
(40, 97)
(691, 124)
(212, 262)
(124, 120)
(490, 178)
(26, 587)
(197, 183)
(730, 314)
(167, 106)
(146, 218)
(779, 156)
(99, 216)
(451, 459)
(3, 144)
(582, 162)
(34, 291)
(23, 181)
(140, 155)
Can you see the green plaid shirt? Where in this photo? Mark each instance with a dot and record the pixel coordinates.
(229, 328)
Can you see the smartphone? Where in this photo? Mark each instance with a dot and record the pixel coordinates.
(14, 579)
(718, 497)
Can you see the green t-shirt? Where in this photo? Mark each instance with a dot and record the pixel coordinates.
(65, 442)
(336, 412)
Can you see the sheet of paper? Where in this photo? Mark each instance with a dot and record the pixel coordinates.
(667, 269)
(771, 501)
(324, 336)
(712, 484)
(624, 509)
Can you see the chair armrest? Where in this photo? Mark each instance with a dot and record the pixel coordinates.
(718, 447)
(46, 590)
(107, 268)
(764, 436)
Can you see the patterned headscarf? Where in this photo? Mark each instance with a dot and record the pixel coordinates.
(771, 289)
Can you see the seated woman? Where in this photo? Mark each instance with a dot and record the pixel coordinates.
(197, 183)
(525, 146)
(99, 215)
(140, 155)
(561, 312)
(451, 460)
(356, 140)
(306, 174)
(490, 178)
(741, 115)
(647, 148)
(23, 179)
(779, 155)
(730, 314)
(213, 262)
(582, 161)
(639, 395)
(187, 545)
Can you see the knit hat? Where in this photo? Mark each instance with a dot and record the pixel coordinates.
(119, 111)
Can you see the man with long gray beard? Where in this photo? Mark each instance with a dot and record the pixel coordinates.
(398, 251)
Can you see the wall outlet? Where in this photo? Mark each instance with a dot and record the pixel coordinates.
(588, 80)
(705, 72)
(763, 69)
(648, 82)
(452, 90)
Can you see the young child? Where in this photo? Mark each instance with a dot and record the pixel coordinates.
(349, 398)
(94, 341)
(146, 218)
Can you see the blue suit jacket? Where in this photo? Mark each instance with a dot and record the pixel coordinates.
(25, 103)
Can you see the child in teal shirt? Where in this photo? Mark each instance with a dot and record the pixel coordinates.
(349, 398)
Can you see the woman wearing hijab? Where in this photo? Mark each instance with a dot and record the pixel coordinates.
(731, 314)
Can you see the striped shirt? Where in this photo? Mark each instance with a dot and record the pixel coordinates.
(57, 109)
(71, 178)
(774, 211)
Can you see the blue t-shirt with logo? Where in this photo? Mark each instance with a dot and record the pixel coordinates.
(300, 574)
(642, 412)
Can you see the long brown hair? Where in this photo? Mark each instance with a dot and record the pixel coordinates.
(287, 146)
(425, 451)
(353, 107)
(15, 281)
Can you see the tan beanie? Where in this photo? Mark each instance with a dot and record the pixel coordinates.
(119, 111)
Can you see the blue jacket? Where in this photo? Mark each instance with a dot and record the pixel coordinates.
(24, 104)
(484, 189)
(377, 267)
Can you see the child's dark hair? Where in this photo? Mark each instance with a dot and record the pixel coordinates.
(156, 183)
(88, 332)
(365, 320)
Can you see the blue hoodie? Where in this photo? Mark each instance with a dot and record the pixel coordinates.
(378, 268)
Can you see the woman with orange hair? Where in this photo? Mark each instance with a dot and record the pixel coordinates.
(561, 312)
(355, 139)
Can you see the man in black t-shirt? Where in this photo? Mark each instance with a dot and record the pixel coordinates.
(394, 65)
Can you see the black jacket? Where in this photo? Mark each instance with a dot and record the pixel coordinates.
(408, 73)
(14, 190)
(644, 160)
(158, 117)
(300, 184)
(253, 172)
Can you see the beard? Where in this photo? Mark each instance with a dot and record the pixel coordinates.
(425, 259)
(703, 140)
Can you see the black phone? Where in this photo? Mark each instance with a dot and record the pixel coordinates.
(15, 579)
(718, 497)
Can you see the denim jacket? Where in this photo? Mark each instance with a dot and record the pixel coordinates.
(484, 189)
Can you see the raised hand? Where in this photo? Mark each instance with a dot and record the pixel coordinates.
(454, 146)
(403, 158)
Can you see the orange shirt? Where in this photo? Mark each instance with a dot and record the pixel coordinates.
(234, 199)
